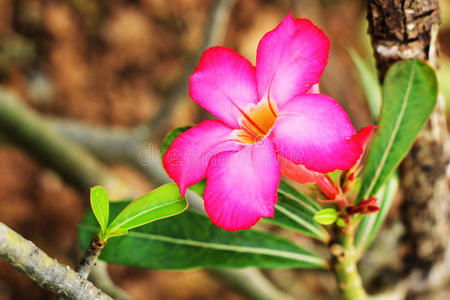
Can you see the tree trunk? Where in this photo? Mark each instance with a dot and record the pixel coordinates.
(400, 30)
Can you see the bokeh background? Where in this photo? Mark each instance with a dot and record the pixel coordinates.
(118, 63)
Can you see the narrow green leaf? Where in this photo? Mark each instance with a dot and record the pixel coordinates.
(409, 97)
(190, 240)
(306, 204)
(162, 202)
(291, 214)
(170, 137)
(100, 206)
(370, 224)
(369, 82)
(326, 216)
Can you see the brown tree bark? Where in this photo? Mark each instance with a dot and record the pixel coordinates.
(400, 30)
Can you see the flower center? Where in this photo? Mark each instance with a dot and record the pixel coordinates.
(257, 122)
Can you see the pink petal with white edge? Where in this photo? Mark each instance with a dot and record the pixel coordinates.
(224, 84)
(313, 130)
(290, 59)
(188, 156)
(241, 187)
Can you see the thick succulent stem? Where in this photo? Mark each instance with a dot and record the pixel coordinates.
(344, 259)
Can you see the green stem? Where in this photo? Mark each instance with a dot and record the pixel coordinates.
(344, 259)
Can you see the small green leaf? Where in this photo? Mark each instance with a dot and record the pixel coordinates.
(190, 240)
(409, 97)
(100, 206)
(326, 216)
(170, 137)
(162, 202)
(340, 222)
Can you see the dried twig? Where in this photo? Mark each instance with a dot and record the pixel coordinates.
(45, 271)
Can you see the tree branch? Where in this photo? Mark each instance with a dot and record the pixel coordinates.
(214, 33)
(252, 283)
(100, 277)
(45, 271)
(117, 146)
(23, 126)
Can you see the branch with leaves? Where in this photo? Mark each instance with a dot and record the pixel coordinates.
(145, 159)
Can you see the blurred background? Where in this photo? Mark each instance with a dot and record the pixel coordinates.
(125, 64)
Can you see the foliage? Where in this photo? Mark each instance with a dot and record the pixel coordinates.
(190, 240)
(409, 97)
(162, 202)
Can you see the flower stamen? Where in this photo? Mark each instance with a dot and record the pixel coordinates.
(257, 122)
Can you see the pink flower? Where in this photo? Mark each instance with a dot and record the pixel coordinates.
(302, 175)
(267, 116)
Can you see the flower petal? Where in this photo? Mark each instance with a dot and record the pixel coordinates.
(224, 84)
(297, 172)
(313, 130)
(301, 174)
(241, 187)
(363, 135)
(290, 59)
(188, 156)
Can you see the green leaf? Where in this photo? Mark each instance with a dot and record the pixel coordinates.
(409, 97)
(369, 82)
(305, 204)
(340, 222)
(162, 202)
(290, 213)
(370, 224)
(100, 206)
(190, 240)
(170, 137)
(199, 188)
(326, 216)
